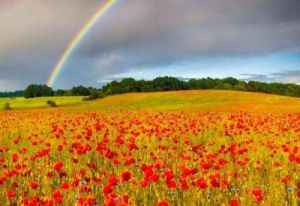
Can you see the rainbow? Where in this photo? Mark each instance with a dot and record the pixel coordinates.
(77, 39)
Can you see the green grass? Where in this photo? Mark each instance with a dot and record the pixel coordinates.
(22, 103)
(196, 100)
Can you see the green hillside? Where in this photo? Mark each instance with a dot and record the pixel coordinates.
(22, 103)
(196, 100)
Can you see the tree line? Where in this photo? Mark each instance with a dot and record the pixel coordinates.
(161, 84)
(173, 84)
(35, 90)
(14, 94)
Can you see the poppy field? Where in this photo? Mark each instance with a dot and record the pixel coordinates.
(120, 157)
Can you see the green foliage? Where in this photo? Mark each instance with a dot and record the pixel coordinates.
(34, 90)
(51, 103)
(205, 83)
(7, 106)
(14, 94)
(131, 85)
(173, 84)
(60, 92)
(94, 95)
(80, 91)
(230, 80)
(166, 83)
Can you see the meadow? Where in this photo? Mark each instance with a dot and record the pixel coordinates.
(195, 100)
(166, 148)
(41, 102)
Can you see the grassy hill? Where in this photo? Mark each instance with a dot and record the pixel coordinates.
(22, 103)
(197, 100)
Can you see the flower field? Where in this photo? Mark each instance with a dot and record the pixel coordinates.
(119, 157)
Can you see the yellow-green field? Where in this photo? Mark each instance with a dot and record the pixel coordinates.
(200, 100)
(22, 103)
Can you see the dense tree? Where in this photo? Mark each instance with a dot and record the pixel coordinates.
(230, 80)
(128, 85)
(19, 93)
(80, 91)
(168, 84)
(144, 86)
(60, 92)
(171, 84)
(35, 90)
(204, 83)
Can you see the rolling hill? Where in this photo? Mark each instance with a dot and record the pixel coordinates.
(196, 100)
(192, 100)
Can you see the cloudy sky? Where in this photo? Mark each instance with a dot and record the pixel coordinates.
(247, 39)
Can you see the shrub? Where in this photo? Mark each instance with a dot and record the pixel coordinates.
(7, 106)
(94, 95)
(51, 103)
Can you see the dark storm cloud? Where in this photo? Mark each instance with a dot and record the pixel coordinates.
(33, 36)
(176, 27)
(138, 34)
(163, 32)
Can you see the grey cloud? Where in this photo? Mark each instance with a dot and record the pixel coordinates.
(199, 27)
(34, 33)
(10, 85)
(290, 76)
(256, 77)
(137, 34)
(167, 31)
(40, 26)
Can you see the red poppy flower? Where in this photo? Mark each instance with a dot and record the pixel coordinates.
(10, 193)
(234, 202)
(113, 180)
(58, 166)
(285, 180)
(34, 184)
(163, 203)
(107, 189)
(57, 196)
(154, 177)
(144, 183)
(126, 176)
(201, 183)
(65, 186)
(257, 194)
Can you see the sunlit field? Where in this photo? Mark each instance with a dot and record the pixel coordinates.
(22, 103)
(174, 148)
(197, 100)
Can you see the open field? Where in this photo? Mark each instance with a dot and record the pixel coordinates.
(22, 103)
(198, 100)
(175, 148)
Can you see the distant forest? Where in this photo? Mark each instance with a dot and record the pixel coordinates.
(159, 84)
(12, 94)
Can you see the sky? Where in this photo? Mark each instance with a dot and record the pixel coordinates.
(246, 39)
